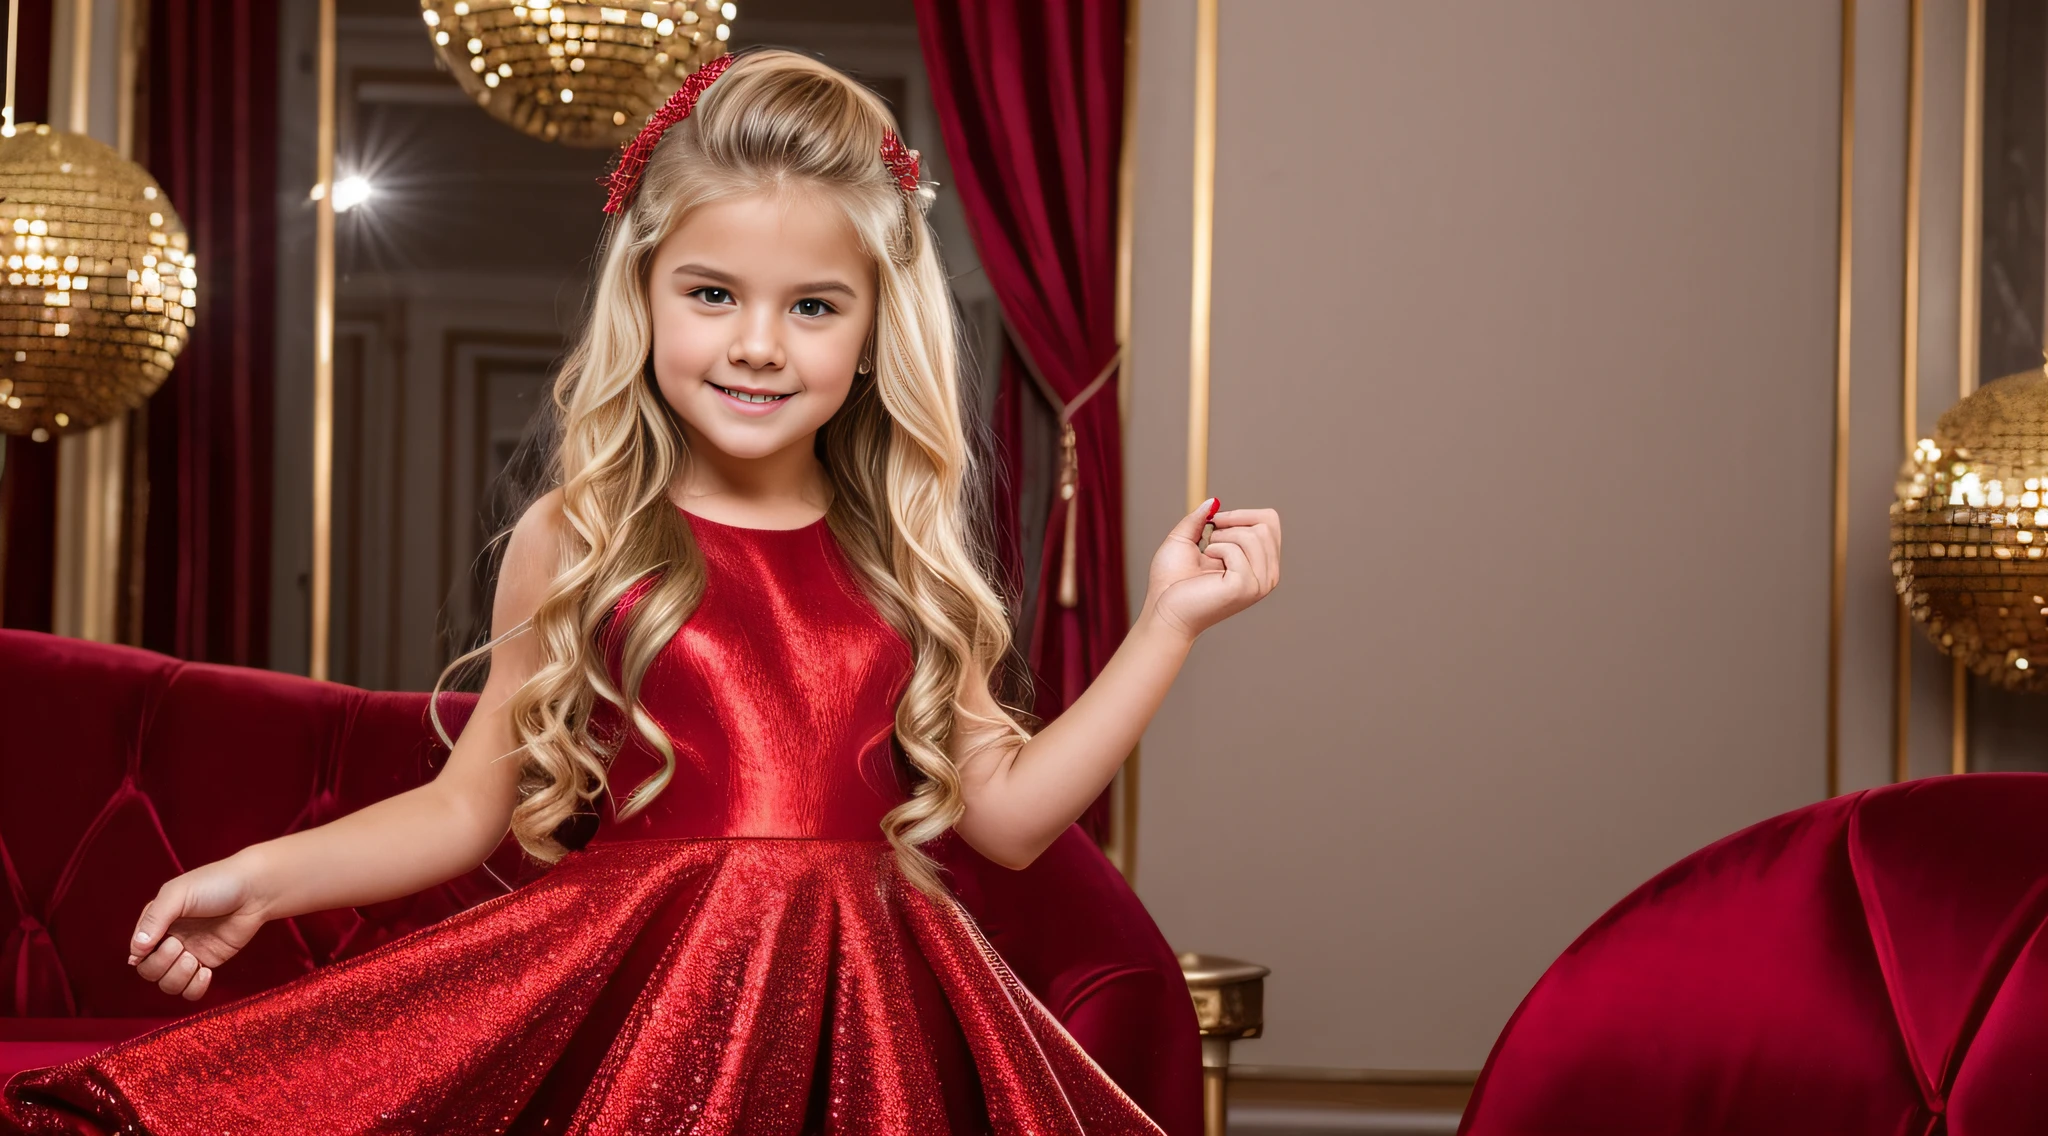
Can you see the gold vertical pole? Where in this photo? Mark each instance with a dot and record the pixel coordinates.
(1909, 381)
(129, 34)
(104, 445)
(13, 39)
(323, 356)
(1126, 215)
(99, 533)
(1204, 246)
(1966, 328)
(129, 506)
(102, 449)
(90, 462)
(81, 66)
(1123, 850)
(1215, 1060)
(1838, 576)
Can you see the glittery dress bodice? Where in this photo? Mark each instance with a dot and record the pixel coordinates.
(778, 695)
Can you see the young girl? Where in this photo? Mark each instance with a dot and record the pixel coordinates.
(755, 605)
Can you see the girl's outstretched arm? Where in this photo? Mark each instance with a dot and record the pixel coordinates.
(1021, 796)
(394, 847)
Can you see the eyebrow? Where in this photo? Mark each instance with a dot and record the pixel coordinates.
(727, 278)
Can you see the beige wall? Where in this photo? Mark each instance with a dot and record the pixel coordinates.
(1524, 317)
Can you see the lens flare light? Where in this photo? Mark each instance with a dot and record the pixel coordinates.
(350, 192)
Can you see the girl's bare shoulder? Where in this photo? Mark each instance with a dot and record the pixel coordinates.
(543, 518)
(533, 555)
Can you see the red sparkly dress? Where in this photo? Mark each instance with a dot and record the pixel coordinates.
(740, 959)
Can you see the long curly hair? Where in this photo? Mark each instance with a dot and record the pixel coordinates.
(905, 507)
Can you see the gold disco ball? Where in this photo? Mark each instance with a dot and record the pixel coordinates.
(578, 74)
(1970, 532)
(100, 285)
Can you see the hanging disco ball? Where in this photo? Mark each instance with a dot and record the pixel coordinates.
(578, 74)
(100, 286)
(1969, 529)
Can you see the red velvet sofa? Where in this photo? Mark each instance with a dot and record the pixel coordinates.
(1873, 964)
(120, 768)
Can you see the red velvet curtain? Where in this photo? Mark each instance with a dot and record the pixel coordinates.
(28, 482)
(1030, 99)
(212, 144)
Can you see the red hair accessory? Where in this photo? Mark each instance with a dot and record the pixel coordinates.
(625, 177)
(633, 159)
(902, 162)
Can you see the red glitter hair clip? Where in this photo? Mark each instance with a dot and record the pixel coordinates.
(625, 177)
(902, 161)
(633, 159)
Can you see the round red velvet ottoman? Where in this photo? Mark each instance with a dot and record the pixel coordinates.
(1871, 964)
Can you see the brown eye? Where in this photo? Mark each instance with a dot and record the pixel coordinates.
(711, 294)
(812, 307)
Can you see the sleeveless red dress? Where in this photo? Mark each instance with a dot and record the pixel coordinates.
(742, 957)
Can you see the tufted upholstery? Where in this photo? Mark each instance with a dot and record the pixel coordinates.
(120, 768)
(1875, 963)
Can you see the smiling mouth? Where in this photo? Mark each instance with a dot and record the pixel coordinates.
(743, 396)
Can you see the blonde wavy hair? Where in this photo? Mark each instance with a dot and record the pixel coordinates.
(904, 505)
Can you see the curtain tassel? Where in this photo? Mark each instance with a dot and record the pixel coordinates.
(1070, 479)
(1070, 488)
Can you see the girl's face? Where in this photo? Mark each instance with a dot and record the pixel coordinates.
(761, 307)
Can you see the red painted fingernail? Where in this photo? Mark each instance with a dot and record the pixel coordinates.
(1215, 503)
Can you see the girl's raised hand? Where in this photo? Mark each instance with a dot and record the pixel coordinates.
(1192, 589)
(196, 922)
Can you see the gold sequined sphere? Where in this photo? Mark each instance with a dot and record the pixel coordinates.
(1970, 532)
(578, 74)
(100, 288)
